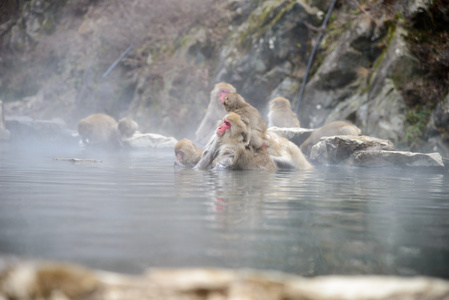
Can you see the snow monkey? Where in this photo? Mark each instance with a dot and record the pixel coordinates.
(215, 111)
(285, 154)
(281, 115)
(126, 128)
(234, 151)
(187, 154)
(257, 126)
(331, 129)
(99, 130)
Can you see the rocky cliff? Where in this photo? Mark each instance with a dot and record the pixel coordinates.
(383, 65)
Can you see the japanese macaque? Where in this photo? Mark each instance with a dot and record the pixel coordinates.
(187, 154)
(126, 128)
(257, 126)
(234, 151)
(215, 111)
(47, 281)
(331, 129)
(285, 154)
(281, 115)
(99, 130)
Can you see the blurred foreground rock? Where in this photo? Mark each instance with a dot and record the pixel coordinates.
(26, 280)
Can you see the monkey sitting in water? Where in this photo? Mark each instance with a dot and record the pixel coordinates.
(99, 130)
(257, 126)
(187, 154)
(232, 149)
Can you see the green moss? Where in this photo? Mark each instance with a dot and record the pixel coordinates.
(417, 118)
(47, 25)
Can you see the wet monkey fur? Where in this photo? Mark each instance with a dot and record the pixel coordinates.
(187, 154)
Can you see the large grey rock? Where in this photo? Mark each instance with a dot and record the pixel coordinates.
(385, 113)
(337, 78)
(25, 129)
(296, 135)
(337, 149)
(402, 159)
(266, 49)
(366, 151)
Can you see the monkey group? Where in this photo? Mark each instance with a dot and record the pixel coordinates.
(233, 131)
(104, 132)
(241, 140)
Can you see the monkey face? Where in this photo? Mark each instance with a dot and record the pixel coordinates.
(180, 156)
(222, 94)
(223, 127)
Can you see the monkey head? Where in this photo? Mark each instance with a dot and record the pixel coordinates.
(234, 129)
(279, 103)
(233, 101)
(221, 89)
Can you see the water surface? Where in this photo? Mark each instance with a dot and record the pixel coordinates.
(133, 210)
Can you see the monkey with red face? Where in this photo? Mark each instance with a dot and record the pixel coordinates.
(234, 102)
(215, 111)
(234, 151)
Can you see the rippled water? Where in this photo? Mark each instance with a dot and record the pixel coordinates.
(134, 210)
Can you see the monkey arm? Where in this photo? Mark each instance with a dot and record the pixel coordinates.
(209, 153)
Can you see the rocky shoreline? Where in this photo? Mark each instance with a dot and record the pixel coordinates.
(49, 280)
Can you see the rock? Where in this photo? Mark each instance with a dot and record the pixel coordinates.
(4, 133)
(26, 129)
(337, 149)
(385, 114)
(150, 140)
(402, 159)
(366, 151)
(337, 77)
(28, 280)
(296, 135)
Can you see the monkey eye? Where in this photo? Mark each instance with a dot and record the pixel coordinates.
(227, 123)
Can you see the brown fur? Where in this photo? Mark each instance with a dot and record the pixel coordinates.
(331, 129)
(281, 115)
(285, 154)
(233, 151)
(126, 128)
(187, 153)
(99, 130)
(215, 112)
(258, 128)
